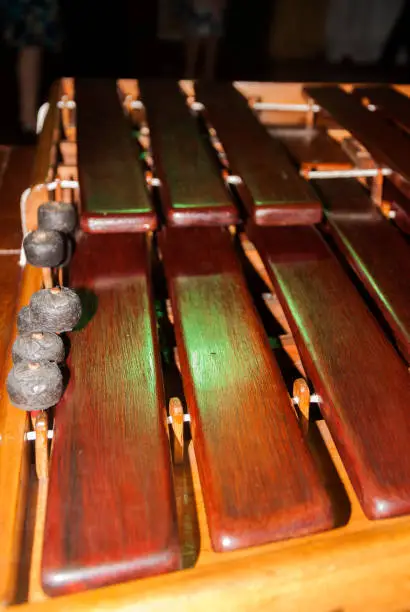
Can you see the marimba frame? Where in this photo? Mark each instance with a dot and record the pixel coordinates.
(359, 563)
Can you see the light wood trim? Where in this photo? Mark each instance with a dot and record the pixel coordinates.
(13, 463)
(45, 158)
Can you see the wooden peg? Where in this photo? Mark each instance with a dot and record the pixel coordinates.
(377, 189)
(385, 209)
(58, 195)
(302, 394)
(310, 115)
(170, 313)
(176, 359)
(177, 413)
(47, 278)
(39, 420)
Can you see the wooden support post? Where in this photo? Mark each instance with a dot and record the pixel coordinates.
(176, 411)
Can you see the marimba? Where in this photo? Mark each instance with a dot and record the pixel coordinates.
(233, 431)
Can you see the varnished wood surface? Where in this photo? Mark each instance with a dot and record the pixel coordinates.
(390, 101)
(10, 273)
(259, 482)
(13, 450)
(313, 148)
(374, 248)
(18, 168)
(110, 514)
(365, 561)
(192, 190)
(114, 195)
(345, 198)
(384, 141)
(273, 192)
(350, 362)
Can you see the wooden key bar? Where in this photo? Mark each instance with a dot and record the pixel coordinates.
(314, 148)
(384, 141)
(192, 189)
(363, 384)
(273, 192)
(374, 248)
(114, 195)
(258, 479)
(391, 102)
(110, 510)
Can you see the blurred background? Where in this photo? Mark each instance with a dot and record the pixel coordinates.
(271, 40)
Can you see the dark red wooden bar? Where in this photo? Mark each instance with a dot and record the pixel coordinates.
(110, 508)
(258, 480)
(273, 192)
(314, 147)
(363, 383)
(384, 141)
(391, 102)
(374, 248)
(114, 195)
(192, 190)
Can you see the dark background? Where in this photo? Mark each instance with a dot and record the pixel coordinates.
(118, 39)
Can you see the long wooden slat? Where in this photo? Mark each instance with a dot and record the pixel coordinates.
(363, 383)
(392, 103)
(259, 483)
(14, 449)
(192, 189)
(374, 248)
(314, 148)
(273, 193)
(384, 141)
(110, 514)
(15, 179)
(113, 190)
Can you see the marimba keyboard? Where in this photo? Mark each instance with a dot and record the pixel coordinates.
(169, 193)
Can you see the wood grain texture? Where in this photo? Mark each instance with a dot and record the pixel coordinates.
(10, 273)
(313, 148)
(114, 194)
(374, 248)
(15, 179)
(14, 449)
(350, 362)
(273, 192)
(391, 102)
(192, 190)
(111, 511)
(384, 141)
(259, 482)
